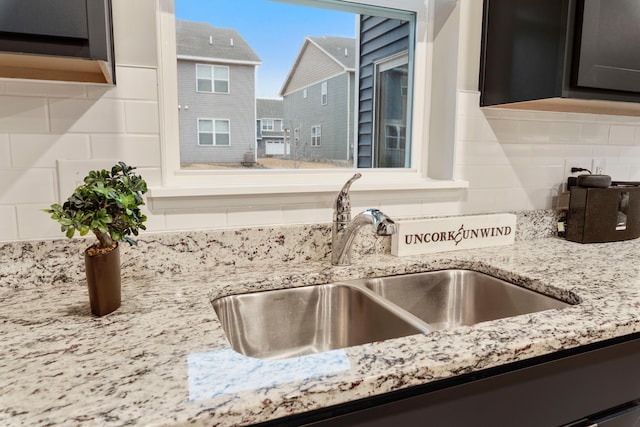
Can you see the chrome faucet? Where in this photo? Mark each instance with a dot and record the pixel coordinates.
(344, 229)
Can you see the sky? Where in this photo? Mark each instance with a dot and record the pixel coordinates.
(274, 30)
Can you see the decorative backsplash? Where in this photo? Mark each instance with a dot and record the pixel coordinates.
(34, 263)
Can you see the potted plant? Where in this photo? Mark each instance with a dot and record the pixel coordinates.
(107, 204)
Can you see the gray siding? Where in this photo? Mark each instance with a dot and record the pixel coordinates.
(313, 66)
(335, 119)
(238, 107)
(379, 38)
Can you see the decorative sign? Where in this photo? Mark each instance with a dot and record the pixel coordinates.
(426, 236)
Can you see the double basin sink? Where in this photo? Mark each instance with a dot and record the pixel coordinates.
(292, 322)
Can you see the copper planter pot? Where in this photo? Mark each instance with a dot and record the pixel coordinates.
(103, 281)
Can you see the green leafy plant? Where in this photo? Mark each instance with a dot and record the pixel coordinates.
(107, 204)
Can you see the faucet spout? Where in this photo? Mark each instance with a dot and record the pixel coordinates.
(341, 249)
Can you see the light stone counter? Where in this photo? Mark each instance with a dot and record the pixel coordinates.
(163, 359)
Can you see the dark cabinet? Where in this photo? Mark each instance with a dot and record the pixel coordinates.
(46, 39)
(561, 50)
(608, 42)
(573, 388)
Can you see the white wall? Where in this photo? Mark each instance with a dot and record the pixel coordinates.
(513, 160)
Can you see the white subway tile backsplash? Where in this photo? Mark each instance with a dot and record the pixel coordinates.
(252, 216)
(33, 223)
(8, 223)
(547, 154)
(621, 135)
(142, 117)
(38, 151)
(535, 132)
(5, 152)
(506, 131)
(594, 133)
(133, 83)
(487, 200)
(306, 214)
(27, 186)
(564, 132)
(136, 150)
(87, 116)
(23, 114)
(486, 177)
(636, 136)
(45, 89)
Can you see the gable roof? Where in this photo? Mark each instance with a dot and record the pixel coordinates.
(341, 50)
(269, 108)
(203, 42)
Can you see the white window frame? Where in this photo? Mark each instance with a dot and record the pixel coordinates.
(324, 93)
(267, 125)
(214, 133)
(213, 78)
(179, 188)
(316, 135)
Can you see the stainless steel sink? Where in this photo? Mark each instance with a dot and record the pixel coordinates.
(292, 322)
(449, 298)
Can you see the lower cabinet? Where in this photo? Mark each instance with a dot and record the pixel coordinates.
(595, 384)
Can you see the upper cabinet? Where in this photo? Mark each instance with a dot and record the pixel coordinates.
(67, 40)
(608, 45)
(561, 55)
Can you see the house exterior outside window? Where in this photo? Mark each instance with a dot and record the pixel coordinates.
(212, 78)
(324, 95)
(214, 132)
(316, 135)
(267, 124)
(395, 137)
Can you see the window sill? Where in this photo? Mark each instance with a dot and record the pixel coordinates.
(273, 188)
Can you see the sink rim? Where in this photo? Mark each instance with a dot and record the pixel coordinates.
(360, 284)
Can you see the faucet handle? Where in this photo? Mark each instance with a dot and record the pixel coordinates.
(342, 207)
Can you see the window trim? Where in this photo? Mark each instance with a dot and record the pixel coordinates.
(213, 80)
(324, 93)
(178, 183)
(316, 134)
(267, 129)
(213, 132)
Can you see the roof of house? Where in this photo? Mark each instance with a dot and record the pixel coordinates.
(269, 108)
(341, 49)
(200, 40)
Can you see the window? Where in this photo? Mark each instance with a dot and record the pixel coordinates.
(391, 76)
(251, 182)
(315, 136)
(213, 132)
(305, 93)
(323, 93)
(395, 137)
(212, 78)
(267, 124)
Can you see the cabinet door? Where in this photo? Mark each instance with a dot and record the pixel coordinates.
(609, 45)
(59, 18)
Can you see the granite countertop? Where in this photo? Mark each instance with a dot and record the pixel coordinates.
(163, 359)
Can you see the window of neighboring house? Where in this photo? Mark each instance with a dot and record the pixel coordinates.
(214, 132)
(305, 93)
(267, 124)
(212, 78)
(316, 132)
(395, 137)
(324, 93)
(392, 113)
